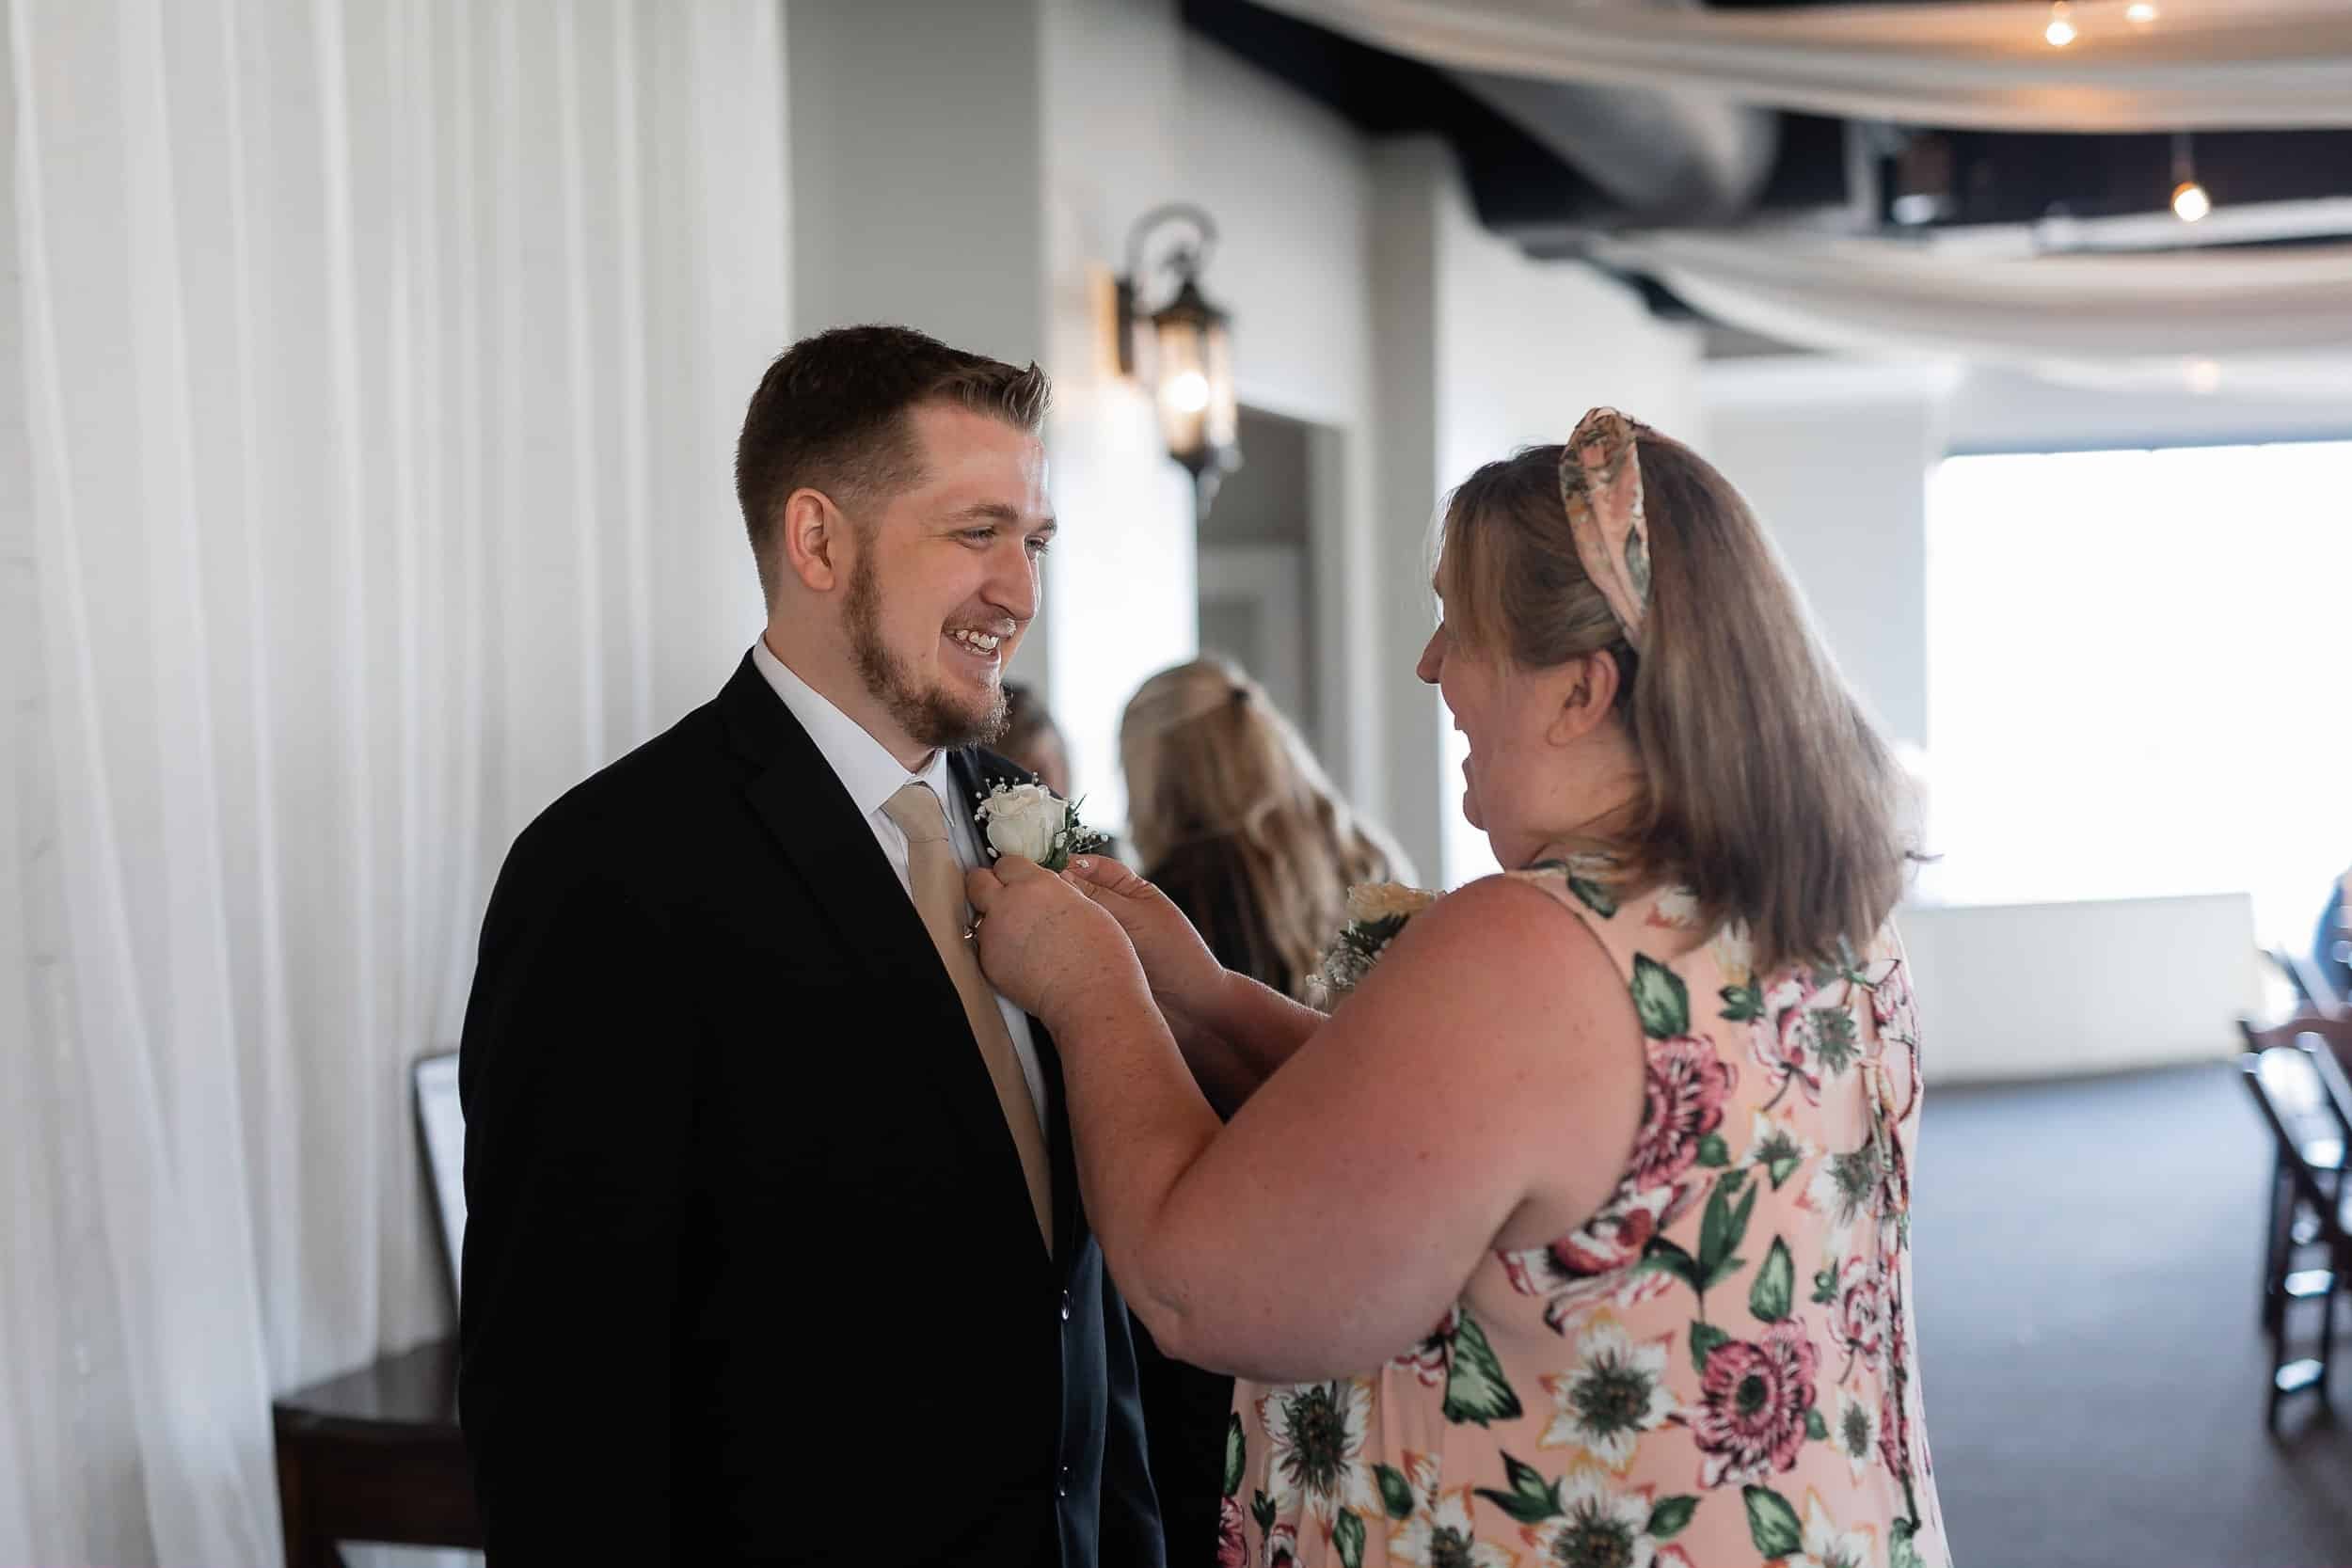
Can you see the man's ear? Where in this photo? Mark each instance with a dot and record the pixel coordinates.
(1585, 688)
(814, 538)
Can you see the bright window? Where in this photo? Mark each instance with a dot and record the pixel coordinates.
(2139, 676)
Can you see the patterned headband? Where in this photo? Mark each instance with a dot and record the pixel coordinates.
(1600, 485)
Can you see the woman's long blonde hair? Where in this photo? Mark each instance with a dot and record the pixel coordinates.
(1208, 757)
(1766, 791)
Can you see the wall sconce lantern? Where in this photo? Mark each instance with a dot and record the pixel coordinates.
(1190, 364)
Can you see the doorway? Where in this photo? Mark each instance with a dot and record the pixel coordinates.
(1257, 589)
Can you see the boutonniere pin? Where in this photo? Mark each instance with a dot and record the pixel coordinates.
(1032, 822)
(1376, 912)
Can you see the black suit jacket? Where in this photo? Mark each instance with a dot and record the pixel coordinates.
(750, 1271)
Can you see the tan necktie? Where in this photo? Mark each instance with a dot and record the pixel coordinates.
(935, 876)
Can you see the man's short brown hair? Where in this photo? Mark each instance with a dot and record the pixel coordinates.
(830, 415)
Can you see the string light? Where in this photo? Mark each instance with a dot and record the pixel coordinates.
(2191, 201)
(2143, 13)
(2061, 29)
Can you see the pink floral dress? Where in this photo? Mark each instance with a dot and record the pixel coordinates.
(1717, 1370)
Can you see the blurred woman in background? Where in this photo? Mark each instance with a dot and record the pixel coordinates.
(1233, 820)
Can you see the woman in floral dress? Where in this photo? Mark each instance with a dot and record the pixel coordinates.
(1578, 1233)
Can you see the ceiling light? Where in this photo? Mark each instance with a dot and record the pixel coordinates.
(2060, 31)
(2142, 13)
(2191, 201)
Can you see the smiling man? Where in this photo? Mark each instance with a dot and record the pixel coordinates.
(775, 1250)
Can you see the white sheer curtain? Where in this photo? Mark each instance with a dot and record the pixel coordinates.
(2167, 65)
(370, 374)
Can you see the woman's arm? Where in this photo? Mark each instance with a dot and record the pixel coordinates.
(1243, 1032)
(1234, 1032)
(1482, 1087)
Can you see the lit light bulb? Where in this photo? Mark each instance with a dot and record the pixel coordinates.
(2142, 13)
(2190, 202)
(2061, 29)
(1188, 392)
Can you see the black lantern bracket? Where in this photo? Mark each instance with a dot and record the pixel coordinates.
(1184, 261)
(1191, 366)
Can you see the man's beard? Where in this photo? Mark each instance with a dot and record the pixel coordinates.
(931, 718)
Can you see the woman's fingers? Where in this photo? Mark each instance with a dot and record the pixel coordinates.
(1100, 872)
(985, 884)
(983, 887)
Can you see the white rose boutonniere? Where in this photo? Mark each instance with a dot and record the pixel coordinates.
(1032, 822)
(1376, 912)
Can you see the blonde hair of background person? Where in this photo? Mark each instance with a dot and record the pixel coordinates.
(1208, 757)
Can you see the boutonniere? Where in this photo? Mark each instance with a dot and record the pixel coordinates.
(1376, 912)
(1032, 822)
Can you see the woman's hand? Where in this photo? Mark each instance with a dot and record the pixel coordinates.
(1041, 941)
(1185, 975)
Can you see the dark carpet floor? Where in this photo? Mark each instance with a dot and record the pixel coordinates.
(2085, 1256)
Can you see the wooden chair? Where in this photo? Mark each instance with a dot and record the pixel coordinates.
(2301, 1093)
(376, 1454)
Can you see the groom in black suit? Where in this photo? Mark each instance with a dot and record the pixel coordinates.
(775, 1252)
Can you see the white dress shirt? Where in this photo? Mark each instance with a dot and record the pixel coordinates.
(871, 775)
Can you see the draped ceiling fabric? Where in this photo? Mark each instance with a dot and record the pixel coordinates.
(368, 376)
(2198, 65)
(2273, 319)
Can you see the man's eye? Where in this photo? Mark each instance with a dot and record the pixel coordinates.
(976, 536)
(1039, 545)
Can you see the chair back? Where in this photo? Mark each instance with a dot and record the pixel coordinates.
(2312, 990)
(2306, 1090)
(442, 1140)
(2287, 1089)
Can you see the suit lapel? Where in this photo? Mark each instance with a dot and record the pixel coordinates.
(802, 803)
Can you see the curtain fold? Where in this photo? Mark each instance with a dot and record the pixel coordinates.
(1974, 65)
(2270, 320)
(378, 366)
